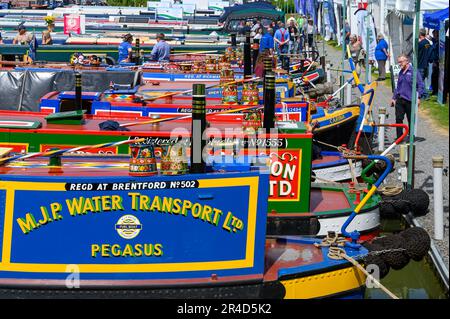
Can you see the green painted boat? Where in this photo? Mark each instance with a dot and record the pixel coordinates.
(62, 53)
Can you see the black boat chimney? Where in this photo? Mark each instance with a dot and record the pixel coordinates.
(198, 127)
(269, 101)
(233, 40)
(255, 52)
(247, 37)
(267, 65)
(137, 56)
(247, 60)
(78, 103)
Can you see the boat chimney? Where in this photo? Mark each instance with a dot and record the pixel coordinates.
(255, 48)
(137, 57)
(269, 101)
(233, 40)
(78, 103)
(198, 127)
(247, 60)
(247, 37)
(267, 65)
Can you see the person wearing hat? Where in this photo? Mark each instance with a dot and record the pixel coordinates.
(23, 37)
(125, 48)
(161, 50)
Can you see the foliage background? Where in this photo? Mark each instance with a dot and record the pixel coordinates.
(286, 6)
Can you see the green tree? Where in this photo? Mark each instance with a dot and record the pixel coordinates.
(287, 6)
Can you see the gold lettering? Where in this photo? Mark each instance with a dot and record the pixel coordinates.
(134, 200)
(227, 222)
(138, 250)
(186, 205)
(55, 208)
(74, 205)
(117, 202)
(156, 204)
(128, 251)
(106, 204)
(105, 250)
(148, 249)
(28, 224)
(46, 218)
(206, 215)
(88, 206)
(176, 206)
(94, 250)
(96, 200)
(115, 250)
(158, 250)
(167, 204)
(196, 210)
(143, 203)
(217, 214)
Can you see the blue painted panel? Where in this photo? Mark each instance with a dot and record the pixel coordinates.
(2, 217)
(71, 95)
(50, 103)
(191, 245)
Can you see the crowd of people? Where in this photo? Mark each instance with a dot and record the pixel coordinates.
(294, 37)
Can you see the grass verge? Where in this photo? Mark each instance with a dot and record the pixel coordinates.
(436, 112)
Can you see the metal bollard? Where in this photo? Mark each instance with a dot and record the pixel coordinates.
(348, 94)
(381, 129)
(438, 164)
(403, 158)
(328, 72)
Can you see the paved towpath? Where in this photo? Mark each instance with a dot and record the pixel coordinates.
(431, 141)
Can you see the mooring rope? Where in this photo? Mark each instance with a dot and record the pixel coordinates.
(325, 180)
(339, 253)
(352, 171)
(334, 242)
(326, 144)
(344, 152)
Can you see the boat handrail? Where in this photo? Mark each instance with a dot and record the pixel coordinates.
(354, 235)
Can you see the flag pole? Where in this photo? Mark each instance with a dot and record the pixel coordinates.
(344, 14)
(412, 133)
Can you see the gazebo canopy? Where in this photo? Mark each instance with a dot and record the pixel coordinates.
(432, 20)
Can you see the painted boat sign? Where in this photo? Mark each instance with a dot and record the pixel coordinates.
(156, 228)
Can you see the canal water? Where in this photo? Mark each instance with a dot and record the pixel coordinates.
(418, 280)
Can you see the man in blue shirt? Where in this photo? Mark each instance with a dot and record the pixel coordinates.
(403, 92)
(281, 39)
(125, 48)
(266, 42)
(161, 50)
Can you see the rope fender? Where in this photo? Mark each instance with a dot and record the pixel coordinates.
(396, 201)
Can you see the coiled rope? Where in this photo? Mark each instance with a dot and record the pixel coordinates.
(390, 190)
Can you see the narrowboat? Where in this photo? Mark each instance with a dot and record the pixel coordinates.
(173, 231)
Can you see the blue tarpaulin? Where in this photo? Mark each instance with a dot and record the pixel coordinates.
(432, 20)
